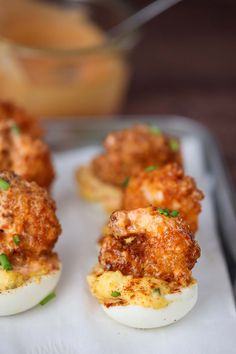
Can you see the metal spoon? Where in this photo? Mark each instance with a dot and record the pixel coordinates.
(144, 15)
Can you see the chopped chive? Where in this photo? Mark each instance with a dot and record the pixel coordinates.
(157, 291)
(125, 183)
(4, 185)
(174, 213)
(15, 129)
(16, 239)
(167, 212)
(174, 145)
(115, 293)
(163, 211)
(155, 130)
(151, 168)
(47, 299)
(5, 263)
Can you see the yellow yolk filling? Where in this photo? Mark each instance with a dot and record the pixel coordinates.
(13, 279)
(114, 288)
(94, 190)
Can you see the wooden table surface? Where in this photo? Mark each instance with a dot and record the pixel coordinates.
(185, 64)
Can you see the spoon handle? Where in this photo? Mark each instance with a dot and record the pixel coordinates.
(141, 17)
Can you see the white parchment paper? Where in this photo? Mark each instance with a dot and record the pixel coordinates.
(75, 323)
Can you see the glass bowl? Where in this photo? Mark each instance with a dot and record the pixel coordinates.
(58, 60)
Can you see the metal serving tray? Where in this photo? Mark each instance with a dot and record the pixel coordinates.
(70, 133)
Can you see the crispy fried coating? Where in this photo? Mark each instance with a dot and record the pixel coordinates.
(14, 114)
(28, 213)
(144, 243)
(131, 150)
(165, 187)
(26, 156)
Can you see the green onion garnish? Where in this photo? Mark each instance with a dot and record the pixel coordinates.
(47, 299)
(174, 145)
(125, 183)
(16, 239)
(167, 212)
(5, 263)
(151, 168)
(15, 129)
(115, 293)
(157, 291)
(174, 213)
(155, 130)
(163, 211)
(4, 185)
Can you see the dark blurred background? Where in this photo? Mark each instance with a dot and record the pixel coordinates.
(185, 64)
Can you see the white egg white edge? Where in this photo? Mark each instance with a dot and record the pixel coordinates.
(29, 295)
(142, 317)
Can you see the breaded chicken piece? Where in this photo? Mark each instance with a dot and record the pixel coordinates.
(165, 187)
(131, 150)
(15, 115)
(26, 156)
(145, 243)
(27, 214)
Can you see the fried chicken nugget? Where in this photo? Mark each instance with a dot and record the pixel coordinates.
(27, 156)
(144, 243)
(24, 121)
(28, 213)
(131, 150)
(165, 187)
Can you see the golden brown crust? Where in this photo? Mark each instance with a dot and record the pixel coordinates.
(165, 187)
(31, 159)
(144, 243)
(131, 150)
(27, 123)
(25, 155)
(26, 210)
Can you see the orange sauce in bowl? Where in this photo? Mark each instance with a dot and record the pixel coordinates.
(60, 83)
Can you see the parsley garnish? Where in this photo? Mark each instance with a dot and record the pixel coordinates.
(4, 185)
(151, 168)
(5, 263)
(157, 291)
(15, 129)
(125, 183)
(174, 145)
(167, 212)
(155, 130)
(115, 293)
(47, 299)
(16, 239)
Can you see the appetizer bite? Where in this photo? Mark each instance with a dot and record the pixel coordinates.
(127, 152)
(167, 188)
(144, 278)
(29, 229)
(15, 115)
(21, 151)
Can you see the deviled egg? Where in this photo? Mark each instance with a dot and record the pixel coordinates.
(29, 228)
(126, 152)
(143, 278)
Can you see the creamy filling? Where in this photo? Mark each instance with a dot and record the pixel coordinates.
(22, 273)
(114, 288)
(93, 189)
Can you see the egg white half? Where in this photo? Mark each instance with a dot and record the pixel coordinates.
(180, 304)
(24, 297)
